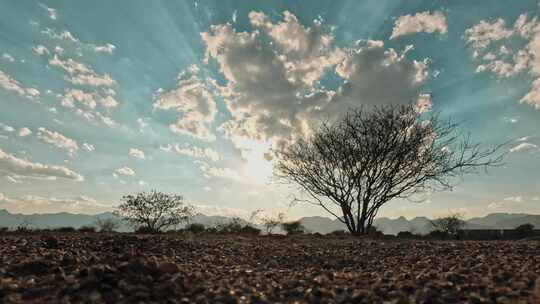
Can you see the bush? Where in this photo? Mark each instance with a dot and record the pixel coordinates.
(374, 232)
(107, 225)
(438, 235)
(250, 230)
(146, 230)
(234, 226)
(294, 227)
(64, 229)
(405, 235)
(525, 230)
(338, 233)
(195, 228)
(87, 229)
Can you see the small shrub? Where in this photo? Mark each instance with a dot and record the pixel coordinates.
(87, 229)
(292, 228)
(195, 228)
(438, 235)
(107, 225)
(234, 226)
(338, 233)
(146, 230)
(405, 235)
(525, 230)
(250, 230)
(4, 229)
(375, 233)
(64, 229)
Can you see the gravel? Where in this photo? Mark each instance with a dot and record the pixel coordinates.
(126, 268)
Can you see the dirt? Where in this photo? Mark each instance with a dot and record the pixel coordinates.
(125, 268)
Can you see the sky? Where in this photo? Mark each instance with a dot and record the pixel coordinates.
(100, 99)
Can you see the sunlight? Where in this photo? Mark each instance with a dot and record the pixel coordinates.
(256, 167)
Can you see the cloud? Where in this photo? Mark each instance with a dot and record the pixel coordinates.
(216, 172)
(425, 22)
(195, 103)
(107, 48)
(23, 132)
(523, 147)
(273, 76)
(10, 84)
(6, 128)
(72, 96)
(21, 168)
(8, 57)
(53, 14)
(80, 74)
(126, 171)
(507, 51)
(515, 199)
(29, 204)
(40, 50)
(88, 147)
(195, 152)
(70, 40)
(58, 140)
(136, 153)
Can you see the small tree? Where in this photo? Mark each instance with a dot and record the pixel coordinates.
(153, 211)
(525, 230)
(352, 167)
(294, 227)
(449, 225)
(270, 223)
(107, 225)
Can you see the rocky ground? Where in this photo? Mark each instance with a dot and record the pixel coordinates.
(123, 268)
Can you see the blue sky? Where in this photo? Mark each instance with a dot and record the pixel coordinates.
(100, 99)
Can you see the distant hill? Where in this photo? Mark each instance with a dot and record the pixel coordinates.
(318, 224)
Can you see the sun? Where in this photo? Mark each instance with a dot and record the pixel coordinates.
(256, 167)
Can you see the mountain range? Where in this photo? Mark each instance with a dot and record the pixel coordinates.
(318, 224)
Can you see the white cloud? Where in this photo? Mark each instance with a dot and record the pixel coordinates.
(272, 76)
(515, 199)
(21, 168)
(195, 103)
(136, 153)
(195, 152)
(8, 57)
(216, 172)
(53, 14)
(420, 22)
(107, 48)
(70, 40)
(10, 84)
(523, 147)
(58, 140)
(491, 43)
(24, 132)
(126, 171)
(88, 147)
(80, 74)
(40, 50)
(72, 96)
(6, 128)
(29, 204)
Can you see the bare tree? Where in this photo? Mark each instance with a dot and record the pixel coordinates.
(352, 167)
(154, 211)
(450, 224)
(270, 222)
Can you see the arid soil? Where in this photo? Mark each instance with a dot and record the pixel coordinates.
(123, 268)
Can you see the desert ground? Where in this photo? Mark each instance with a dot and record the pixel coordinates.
(128, 268)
